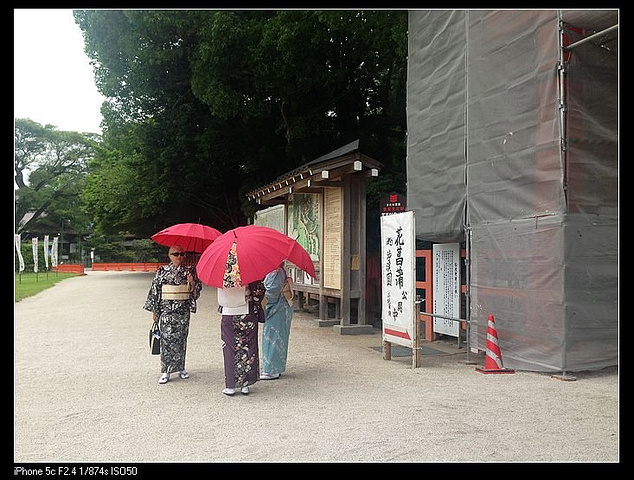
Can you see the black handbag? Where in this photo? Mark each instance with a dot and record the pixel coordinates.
(155, 339)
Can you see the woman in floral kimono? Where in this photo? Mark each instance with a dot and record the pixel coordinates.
(172, 298)
(241, 310)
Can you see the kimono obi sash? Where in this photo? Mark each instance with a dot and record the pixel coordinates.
(175, 292)
(287, 291)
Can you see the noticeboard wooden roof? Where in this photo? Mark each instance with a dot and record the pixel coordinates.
(327, 170)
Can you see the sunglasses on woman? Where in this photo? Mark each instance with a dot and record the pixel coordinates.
(178, 254)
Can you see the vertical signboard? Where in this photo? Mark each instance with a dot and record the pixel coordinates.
(333, 237)
(398, 256)
(446, 265)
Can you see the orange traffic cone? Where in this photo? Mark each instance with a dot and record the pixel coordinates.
(493, 362)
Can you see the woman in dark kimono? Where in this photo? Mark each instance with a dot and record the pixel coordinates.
(172, 298)
(241, 310)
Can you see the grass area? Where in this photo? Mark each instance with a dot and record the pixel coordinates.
(28, 284)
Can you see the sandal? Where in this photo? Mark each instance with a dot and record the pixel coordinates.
(184, 374)
(229, 391)
(164, 378)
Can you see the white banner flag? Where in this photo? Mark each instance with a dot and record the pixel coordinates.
(54, 251)
(398, 262)
(34, 244)
(18, 247)
(46, 251)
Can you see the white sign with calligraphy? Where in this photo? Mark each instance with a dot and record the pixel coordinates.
(446, 264)
(398, 266)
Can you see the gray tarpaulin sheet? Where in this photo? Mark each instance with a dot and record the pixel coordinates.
(436, 123)
(484, 137)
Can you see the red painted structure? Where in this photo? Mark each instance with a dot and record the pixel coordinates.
(69, 268)
(126, 266)
(427, 288)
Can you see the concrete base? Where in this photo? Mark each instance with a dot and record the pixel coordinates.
(327, 323)
(353, 329)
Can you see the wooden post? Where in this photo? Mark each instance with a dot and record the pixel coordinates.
(361, 197)
(323, 306)
(345, 255)
(387, 350)
(417, 352)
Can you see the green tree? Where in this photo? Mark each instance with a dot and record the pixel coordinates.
(204, 106)
(175, 162)
(50, 168)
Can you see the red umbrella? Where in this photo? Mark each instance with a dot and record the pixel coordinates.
(300, 258)
(193, 237)
(243, 255)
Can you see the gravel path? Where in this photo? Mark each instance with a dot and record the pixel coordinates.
(86, 391)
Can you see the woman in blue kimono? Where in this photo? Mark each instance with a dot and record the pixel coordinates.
(172, 298)
(277, 328)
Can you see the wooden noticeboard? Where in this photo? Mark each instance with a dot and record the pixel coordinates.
(325, 201)
(272, 217)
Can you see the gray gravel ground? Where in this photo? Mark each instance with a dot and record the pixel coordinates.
(86, 391)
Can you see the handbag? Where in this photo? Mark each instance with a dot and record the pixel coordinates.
(155, 339)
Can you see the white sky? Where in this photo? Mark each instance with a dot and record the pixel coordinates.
(53, 80)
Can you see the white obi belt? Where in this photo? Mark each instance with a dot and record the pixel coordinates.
(175, 292)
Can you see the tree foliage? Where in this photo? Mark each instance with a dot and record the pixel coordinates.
(203, 106)
(50, 168)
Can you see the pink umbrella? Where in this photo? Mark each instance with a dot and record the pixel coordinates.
(301, 259)
(243, 255)
(193, 237)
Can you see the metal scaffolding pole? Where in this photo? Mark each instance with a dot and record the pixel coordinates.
(589, 38)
